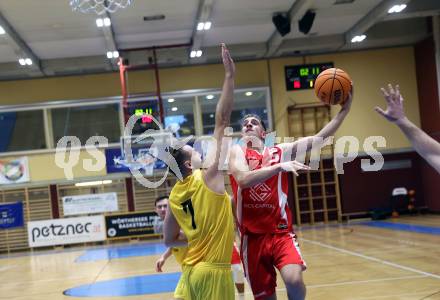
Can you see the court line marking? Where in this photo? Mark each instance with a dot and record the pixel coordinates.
(378, 260)
(398, 295)
(6, 268)
(311, 286)
(395, 239)
(365, 281)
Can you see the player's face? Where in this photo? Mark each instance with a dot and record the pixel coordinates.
(196, 157)
(161, 208)
(252, 127)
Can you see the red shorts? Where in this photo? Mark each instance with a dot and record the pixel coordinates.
(261, 253)
(235, 256)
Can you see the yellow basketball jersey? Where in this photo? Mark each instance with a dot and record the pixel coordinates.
(206, 219)
(179, 254)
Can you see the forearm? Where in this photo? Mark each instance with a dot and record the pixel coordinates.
(167, 253)
(224, 105)
(425, 145)
(333, 125)
(254, 177)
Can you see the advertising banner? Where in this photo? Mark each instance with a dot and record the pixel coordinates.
(14, 171)
(133, 224)
(66, 231)
(88, 204)
(11, 215)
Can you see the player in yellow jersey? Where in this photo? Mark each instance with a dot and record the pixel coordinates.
(201, 208)
(161, 207)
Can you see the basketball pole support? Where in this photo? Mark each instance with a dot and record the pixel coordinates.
(123, 77)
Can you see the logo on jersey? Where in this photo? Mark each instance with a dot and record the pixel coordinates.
(260, 192)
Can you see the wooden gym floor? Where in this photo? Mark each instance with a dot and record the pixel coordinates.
(369, 260)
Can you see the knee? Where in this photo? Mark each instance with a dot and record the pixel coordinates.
(295, 282)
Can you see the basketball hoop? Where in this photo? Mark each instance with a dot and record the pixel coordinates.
(98, 6)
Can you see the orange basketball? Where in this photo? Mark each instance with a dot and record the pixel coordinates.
(332, 86)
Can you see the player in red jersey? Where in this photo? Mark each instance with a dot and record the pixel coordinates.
(260, 186)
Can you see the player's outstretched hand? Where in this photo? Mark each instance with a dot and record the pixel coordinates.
(294, 166)
(347, 104)
(394, 99)
(159, 264)
(228, 63)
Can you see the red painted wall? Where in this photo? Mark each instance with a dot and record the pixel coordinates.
(362, 191)
(429, 115)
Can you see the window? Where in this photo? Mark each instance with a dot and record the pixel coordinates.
(252, 101)
(185, 113)
(179, 115)
(22, 130)
(86, 121)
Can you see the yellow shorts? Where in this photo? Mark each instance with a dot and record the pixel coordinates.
(206, 281)
(179, 292)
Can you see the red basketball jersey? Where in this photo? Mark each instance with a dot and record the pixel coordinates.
(263, 208)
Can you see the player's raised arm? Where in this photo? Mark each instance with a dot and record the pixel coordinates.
(247, 178)
(426, 146)
(328, 130)
(213, 177)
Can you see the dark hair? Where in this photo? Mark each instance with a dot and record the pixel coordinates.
(180, 156)
(160, 198)
(256, 117)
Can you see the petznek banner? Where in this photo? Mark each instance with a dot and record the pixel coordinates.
(66, 231)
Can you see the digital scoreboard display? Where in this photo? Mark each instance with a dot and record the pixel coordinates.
(301, 77)
(145, 109)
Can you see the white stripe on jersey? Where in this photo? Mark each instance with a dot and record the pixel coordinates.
(244, 246)
(296, 245)
(282, 198)
(239, 207)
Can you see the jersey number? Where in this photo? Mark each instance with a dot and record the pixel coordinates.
(188, 206)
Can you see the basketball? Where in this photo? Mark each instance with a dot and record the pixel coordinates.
(332, 86)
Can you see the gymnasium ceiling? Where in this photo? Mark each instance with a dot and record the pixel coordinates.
(62, 42)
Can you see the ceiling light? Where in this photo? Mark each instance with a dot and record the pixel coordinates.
(90, 183)
(249, 94)
(107, 22)
(210, 97)
(22, 61)
(211, 115)
(174, 108)
(99, 22)
(28, 61)
(115, 54)
(204, 26)
(109, 54)
(397, 8)
(358, 38)
(171, 100)
(207, 26)
(193, 54)
(2, 31)
(199, 53)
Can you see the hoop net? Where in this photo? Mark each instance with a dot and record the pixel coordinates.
(98, 6)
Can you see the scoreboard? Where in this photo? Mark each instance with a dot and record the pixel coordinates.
(301, 77)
